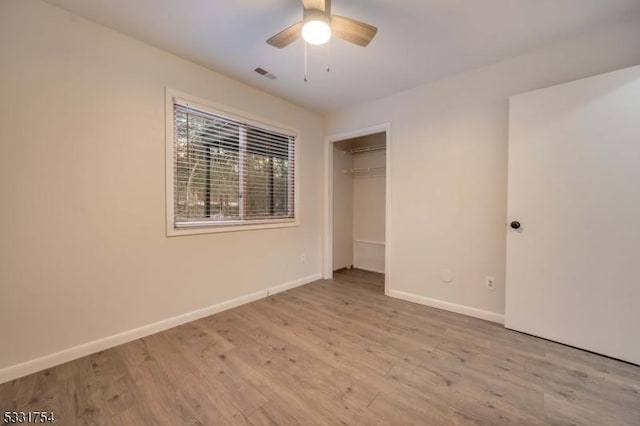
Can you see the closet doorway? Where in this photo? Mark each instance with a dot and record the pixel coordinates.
(356, 229)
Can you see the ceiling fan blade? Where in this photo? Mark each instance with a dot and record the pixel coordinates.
(286, 36)
(313, 4)
(353, 31)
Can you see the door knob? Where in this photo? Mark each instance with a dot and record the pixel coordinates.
(515, 224)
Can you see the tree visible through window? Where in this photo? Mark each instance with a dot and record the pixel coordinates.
(229, 172)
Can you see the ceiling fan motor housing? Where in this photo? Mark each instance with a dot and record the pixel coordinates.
(315, 15)
(318, 26)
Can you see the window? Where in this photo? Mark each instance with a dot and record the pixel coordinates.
(229, 171)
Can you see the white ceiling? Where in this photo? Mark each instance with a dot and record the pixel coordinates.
(418, 40)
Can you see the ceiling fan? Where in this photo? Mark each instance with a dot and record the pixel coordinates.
(318, 24)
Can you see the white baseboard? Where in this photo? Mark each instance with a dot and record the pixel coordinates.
(377, 243)
(368, 268)
(75, 352)
(302, 281)
(448, 306)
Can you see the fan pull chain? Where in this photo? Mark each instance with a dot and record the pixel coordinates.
(305, 62)
(328, 55)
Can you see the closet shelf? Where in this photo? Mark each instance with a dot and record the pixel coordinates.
(367, 149)
(364, 170)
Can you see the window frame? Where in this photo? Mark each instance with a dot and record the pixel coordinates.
(171, 96)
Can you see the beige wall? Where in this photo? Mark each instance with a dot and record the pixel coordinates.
(342, 210)
(449, 164)
(84, 253)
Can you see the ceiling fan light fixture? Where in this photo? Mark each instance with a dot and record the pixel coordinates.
(318, 26)
(316, 31)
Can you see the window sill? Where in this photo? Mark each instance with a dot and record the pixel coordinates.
(215, 229)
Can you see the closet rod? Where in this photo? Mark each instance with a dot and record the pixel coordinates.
(365, 170)
(367, 149)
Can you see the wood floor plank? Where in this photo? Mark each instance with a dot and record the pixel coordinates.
(304, 402)
(335, 352)
(271, 414)
(363, 332)
(160, 399)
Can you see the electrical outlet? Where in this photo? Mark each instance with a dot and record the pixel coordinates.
(303, 258)
(490, 282)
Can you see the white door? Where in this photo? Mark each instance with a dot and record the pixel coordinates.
(573, 266)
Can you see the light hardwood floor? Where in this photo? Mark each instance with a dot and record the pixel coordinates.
(335, 352)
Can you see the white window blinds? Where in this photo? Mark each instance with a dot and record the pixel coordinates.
(227, 172)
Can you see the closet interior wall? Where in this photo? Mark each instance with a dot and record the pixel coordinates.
(342, 209)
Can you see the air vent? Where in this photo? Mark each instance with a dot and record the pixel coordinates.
(265, 73)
